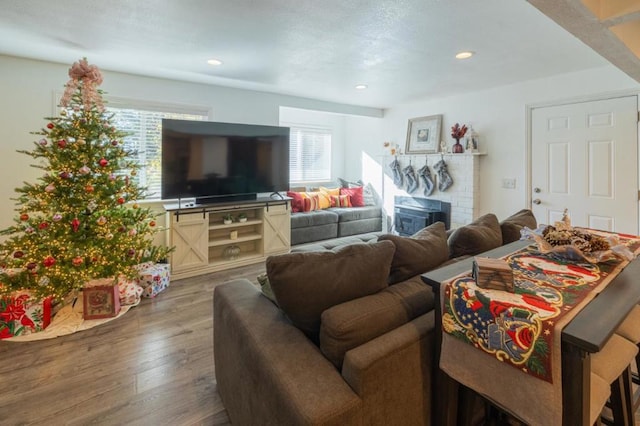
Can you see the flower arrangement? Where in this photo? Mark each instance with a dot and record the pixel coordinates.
(458, 132)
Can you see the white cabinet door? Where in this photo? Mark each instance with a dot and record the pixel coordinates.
(277, 229)
(190, 237)
(585, 159)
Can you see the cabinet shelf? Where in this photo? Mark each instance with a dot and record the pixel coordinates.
(235, 224)
(240, 259)
(240, 239)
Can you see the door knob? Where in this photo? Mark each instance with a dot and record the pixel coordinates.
(536, 190)
(536, 201)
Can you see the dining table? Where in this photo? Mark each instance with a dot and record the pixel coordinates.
(554, 393)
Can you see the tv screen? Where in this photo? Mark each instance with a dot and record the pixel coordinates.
(213, 161)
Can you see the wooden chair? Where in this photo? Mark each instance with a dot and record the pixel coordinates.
(630, 330)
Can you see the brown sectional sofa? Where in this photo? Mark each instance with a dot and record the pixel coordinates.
(350, 340)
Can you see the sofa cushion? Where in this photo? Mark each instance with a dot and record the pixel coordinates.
(479, 236)
(306, 284)
(512, 225)
(340, 201)
(357, 213)
(350, 324)
(317, 217)
(418, 253)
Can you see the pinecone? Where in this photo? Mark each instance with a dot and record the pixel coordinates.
(599, 244)
(558, 238)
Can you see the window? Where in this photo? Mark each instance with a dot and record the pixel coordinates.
(309, 154)
(143, 123)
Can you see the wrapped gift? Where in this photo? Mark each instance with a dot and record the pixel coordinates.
(153, 278)
(101, 299)
(130, 291)
(20, 315)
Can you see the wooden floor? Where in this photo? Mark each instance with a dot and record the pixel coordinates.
(152, 366)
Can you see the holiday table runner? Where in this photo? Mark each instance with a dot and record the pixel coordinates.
(520, 330)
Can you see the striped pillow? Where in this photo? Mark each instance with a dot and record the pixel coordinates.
(340, 201)
(311, 203)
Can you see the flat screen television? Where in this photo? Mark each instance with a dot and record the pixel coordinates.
(214, 162)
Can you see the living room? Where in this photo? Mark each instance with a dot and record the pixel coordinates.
(499, 113)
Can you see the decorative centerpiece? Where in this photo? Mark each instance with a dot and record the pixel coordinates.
(458, 132)
(578, 244)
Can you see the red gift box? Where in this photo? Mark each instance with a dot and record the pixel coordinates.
(101, 300)
(21, 315)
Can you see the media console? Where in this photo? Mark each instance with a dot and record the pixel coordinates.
(204, 243)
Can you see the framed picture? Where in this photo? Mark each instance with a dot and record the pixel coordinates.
(423, 134)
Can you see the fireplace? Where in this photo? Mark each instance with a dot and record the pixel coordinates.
(412, 214)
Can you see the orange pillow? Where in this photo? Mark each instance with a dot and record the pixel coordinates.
(357, 198)
(340, 201)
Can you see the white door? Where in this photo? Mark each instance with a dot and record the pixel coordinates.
(584, 157)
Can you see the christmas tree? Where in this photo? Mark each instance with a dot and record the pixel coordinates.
(81, 219)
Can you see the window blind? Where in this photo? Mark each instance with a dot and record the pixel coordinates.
(309, 154)
(144, 127)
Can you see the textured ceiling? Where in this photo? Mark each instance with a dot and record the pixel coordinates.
(402, 49)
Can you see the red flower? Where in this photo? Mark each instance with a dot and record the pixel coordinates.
(458, 132)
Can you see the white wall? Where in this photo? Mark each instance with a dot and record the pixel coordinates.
(28, 88)
(498, 115)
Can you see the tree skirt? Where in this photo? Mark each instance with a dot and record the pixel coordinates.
(68, 320)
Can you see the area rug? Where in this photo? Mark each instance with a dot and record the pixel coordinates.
(68, 320)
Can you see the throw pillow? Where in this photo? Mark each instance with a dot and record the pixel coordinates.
(311, 203)
(421, 252)
(347, 184)
(512, 225)
(297, 201)
(330, 191)
(340, 201)
(306, 284)
(355, 194)
(479, 236)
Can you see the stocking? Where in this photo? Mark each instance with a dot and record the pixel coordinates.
(424, 174)
(410, 179)
(395, 171)
(444, 178)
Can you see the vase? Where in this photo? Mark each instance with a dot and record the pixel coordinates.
(231, 252)
(457, 147)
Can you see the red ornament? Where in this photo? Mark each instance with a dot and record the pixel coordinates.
(131, 252)
(31, 265)
(64, 175)
(152, 223)
(62, 143)
(18, 254)
(121, 200)
(77, 261)
(75, 224)
(114, 142)
(50, 126)
(89, 188)
(24, 217)
(43, 225)
(49, 261)
(103, 162)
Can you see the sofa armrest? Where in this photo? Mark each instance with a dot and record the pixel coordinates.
(268, 371)
(393, 373)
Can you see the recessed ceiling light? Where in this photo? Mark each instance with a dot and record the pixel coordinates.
(214, 62)
(361, 86)
(464, 55)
